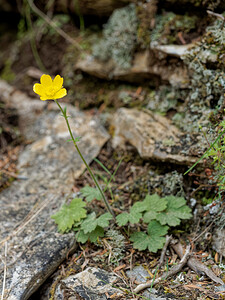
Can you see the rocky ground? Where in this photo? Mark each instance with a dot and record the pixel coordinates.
(141, 78)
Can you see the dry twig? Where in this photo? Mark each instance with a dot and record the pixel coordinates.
(5, 270)
(163, 253)
(53, 25)
(196, 265)
(12, 174)
(165, 275)
(204, 231)
(219, 16)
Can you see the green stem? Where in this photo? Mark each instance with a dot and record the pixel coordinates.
(203, 156)
(33, 42)
(84, 161)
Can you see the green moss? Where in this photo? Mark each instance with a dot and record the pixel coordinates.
(167, 184)
(206, 201)
(168, 142)
(117, 242)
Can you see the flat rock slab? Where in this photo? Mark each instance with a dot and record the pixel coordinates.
(153, 136)
(91, 284)
(48, 166)
(146, 66)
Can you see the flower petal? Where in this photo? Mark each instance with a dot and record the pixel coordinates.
(38, 89)
(60, 94)
(46, 80)
(58, 81)
(44, 98)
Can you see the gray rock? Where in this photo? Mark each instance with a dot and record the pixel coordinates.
(218, 241)
(141, 275)
(91, 284)
(153, 136)
(145, 65)
(48, 165)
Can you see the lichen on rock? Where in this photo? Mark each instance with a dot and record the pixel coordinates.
(165, 99)
(119, 37)
(168, 25)
(206, 63)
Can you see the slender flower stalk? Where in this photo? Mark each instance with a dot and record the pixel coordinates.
(84, 161)
(50, 89)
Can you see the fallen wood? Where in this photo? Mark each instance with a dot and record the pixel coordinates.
(196, 265)
(192, 263)
(177, 268)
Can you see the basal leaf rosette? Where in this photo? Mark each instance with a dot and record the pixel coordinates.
(50, 89)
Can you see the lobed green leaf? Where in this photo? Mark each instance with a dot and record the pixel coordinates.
(69, 214)
(90, 223)
(175, 211)
(103, 220)
(91, 193)
(153, 241)
(122, 219)
(92, 236)
(155, 203)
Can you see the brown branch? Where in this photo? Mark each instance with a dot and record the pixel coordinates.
(166, 275)
(196, 265)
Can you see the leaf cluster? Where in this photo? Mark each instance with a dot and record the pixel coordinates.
(169, 210)
(74, 216)
(157, 213)
(93, 227)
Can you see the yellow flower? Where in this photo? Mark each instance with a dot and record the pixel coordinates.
(50, 89)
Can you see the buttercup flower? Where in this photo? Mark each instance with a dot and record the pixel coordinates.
(50, 89)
